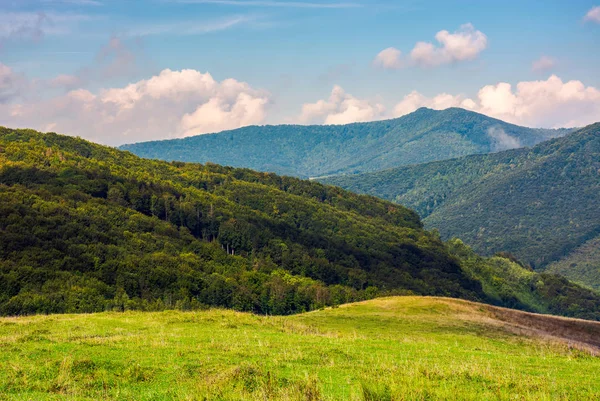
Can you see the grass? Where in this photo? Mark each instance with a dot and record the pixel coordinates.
(403, 348)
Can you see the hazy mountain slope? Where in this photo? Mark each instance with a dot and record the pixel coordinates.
(86, 228)
(313, 151)
(538, 203)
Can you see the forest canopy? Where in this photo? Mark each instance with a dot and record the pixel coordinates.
(87, 228)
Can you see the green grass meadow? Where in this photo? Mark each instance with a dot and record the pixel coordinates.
(402, 348)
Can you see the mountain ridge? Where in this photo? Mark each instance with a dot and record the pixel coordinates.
(86, 228)
(310, 151)
(537, 203)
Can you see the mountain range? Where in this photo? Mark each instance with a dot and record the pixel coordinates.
(322, 150)
(86, 228)
(539, 203)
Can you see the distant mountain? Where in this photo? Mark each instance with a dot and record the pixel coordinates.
(322, 150)
(88, 228)
(540, 204)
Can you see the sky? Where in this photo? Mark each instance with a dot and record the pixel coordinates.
(123, 71)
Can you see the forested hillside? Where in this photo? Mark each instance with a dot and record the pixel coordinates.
(320, 150)
(582, 265)
(81, 224)
(540, 204)
(88, 228)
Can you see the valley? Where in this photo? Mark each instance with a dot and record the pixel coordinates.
(538, 203)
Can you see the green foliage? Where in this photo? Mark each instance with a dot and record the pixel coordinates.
(508, 283)
(321, 150)
(539, 204)
(87, 228)
(581, 265)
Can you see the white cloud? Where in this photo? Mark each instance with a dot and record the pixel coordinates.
(341, 108)
(219, 114)
(549, 103)
(543, 64)
(171, 104)
(415, 100)
(593, 15)
(390, 58)
(464, 44)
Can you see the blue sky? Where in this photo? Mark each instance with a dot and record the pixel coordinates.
(293, 61)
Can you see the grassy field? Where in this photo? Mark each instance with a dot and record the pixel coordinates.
(403, 348)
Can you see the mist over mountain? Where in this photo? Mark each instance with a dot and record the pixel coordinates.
(321, 150)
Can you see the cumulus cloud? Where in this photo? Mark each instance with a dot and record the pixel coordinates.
(549, 103)
(390, 58)
(171, 104)
(341, 108)
(464, 44)
(543, 64)
(593, 15)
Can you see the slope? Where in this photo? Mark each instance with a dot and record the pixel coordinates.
(582, 265)
(539, 204)
(86, 228)
(398, 348)
(314, 151)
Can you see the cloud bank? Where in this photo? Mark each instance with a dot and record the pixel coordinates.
(171, 104)
(549, 103)
(174, 104)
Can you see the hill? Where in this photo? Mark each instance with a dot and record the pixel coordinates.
(87, 228)
(315, 151)
(413, 348)
(539, 204)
